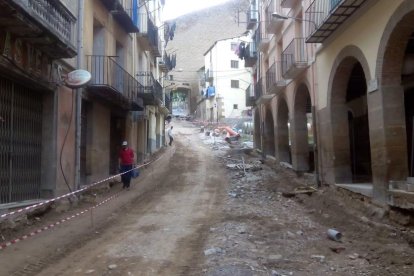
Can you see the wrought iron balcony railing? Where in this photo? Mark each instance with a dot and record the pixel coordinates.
(289, 4)
(252, 18)
(250, 57)
(148, 34)
(152, 89)
(168, 102)
(167, 62)
(323, 17)
(209, 75)
(274, 79)
(113, 83)
(250, 97)
(262, 39)
(258, 89)
(54, 30)
(294, 58)
(125, 13)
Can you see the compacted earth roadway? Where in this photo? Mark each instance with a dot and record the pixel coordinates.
(189, 214)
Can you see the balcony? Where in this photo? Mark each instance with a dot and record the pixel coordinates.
(250, 55)
(113, 84)
(262, 40)
(250, 97)
(274, 80)
(252, 18)
(209, 75)
(148, 35)
(168, 102)
(273, 25)
(125, 12)
(46, 24)
(152, 89)
(323, 17)
(258, 89)
(289, 4)
(167, 62)
(294, 58)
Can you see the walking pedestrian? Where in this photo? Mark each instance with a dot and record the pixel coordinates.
(126, 161)
(170, 135)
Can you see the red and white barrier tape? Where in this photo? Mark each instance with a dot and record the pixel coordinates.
(50, 226)
(22, 210)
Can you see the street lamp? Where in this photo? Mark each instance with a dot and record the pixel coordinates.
(275, 15)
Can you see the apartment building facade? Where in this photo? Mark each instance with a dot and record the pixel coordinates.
(226, 79)
(37, 44)
(54, 139)
(125, 99)
(346, 81)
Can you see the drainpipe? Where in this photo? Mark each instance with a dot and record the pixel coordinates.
(315, 126)
(79, 64)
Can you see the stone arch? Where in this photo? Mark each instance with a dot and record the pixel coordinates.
(347, 52)
(350, 153)
(282, 131)
(257, 135)
(301, 130)
(392, 103)
(393, 44)
(269, 134)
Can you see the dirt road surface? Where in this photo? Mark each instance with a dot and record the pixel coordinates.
(196, 212)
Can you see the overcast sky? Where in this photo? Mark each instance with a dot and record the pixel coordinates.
(175, 8)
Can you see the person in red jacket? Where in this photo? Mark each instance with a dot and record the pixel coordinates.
(126, 162)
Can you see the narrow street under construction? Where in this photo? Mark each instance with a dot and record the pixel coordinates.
(204, 207)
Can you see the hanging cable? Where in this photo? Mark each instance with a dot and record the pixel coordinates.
(64, 142)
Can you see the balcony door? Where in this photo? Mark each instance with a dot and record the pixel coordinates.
(119, 69)
(98, 60)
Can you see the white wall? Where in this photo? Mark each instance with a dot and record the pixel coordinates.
(219, 60)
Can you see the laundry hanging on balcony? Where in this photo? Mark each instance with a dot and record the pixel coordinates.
(241, 50)
(169, 31)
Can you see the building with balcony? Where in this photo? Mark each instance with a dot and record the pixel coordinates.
(227, 74)
(364, 109)
(37, 42)
(336, 96)
(283, 113)
(124, 99)
(56, 139)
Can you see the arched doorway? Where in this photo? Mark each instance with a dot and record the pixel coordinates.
(269, 135)
(282, 129)
(302, 131)
(393, 104)
(257, 138)
(350, 125)
(407, 78)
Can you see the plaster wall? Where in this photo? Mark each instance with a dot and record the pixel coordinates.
(365, 36)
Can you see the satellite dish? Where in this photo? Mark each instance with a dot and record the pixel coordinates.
(77, 78)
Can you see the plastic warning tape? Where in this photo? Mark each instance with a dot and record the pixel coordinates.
(23, 210)
(50, 226)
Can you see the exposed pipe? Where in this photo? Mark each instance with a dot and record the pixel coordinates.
(315, 122)
(79, 64)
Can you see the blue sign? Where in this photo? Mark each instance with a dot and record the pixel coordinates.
(211, 91)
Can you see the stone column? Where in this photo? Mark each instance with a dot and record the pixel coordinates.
(299, 140)
(386, 114)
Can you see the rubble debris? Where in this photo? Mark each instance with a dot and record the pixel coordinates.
(337, 249)
(245, 167)
(212, 251)
(300, 190)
